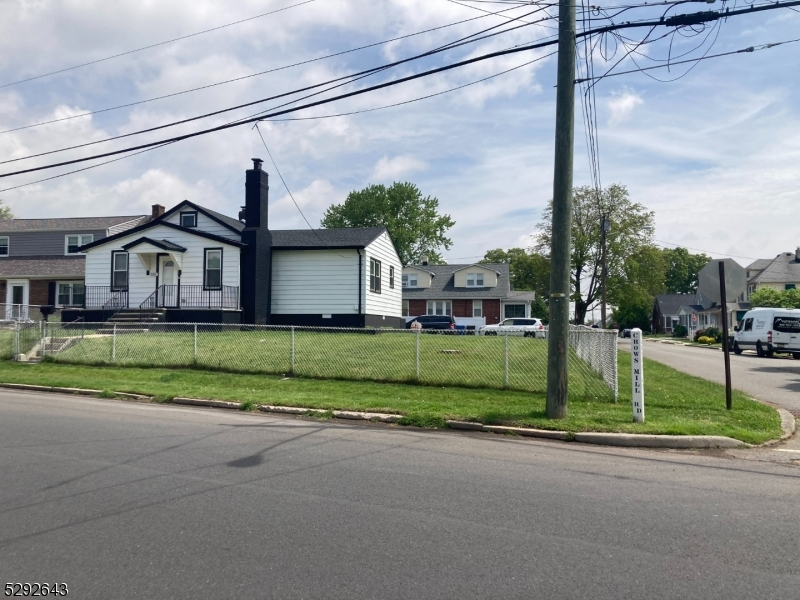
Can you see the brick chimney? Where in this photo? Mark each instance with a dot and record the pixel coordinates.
(257, 256)
(158, 210)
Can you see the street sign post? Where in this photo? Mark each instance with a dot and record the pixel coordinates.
(637, 375)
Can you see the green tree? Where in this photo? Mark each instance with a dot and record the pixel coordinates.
(631, 230)
(772, 298)
(682, 269)
(5, 212)
(528, 270)
(633, 294)
(413, 221)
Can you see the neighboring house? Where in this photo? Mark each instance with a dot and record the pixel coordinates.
(779, 273)
(40, 263)
(192, 264)
(693, 311)
(666, 310)
(476, 294)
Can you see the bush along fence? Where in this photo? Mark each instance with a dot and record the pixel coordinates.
(391, 355)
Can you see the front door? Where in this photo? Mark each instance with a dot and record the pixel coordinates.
(169, 281)
(17, 299)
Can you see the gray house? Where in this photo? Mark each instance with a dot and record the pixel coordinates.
(40, 263)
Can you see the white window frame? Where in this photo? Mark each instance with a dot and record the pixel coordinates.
(374, 276)
(83, 239)
(7, 245)
(126, 270)
(71, 285)
(406, 309)
(477, 308)
(208, 253)
(391, 277)
(434, 306)
(472, 280)
(188, 213)
(410, 280)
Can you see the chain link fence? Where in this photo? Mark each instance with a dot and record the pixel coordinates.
(392, 355)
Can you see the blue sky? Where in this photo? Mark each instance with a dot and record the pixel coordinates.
(715, 154)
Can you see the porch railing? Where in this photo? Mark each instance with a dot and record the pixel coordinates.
(103, 296)
(192, 296)
(15, 312)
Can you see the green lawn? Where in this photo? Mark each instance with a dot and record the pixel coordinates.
(675, 403)
(390, 356)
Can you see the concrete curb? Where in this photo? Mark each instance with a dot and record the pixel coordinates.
(629, 440)
(788, 424)
(66, 390)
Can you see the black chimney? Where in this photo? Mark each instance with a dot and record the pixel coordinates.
(257, 256)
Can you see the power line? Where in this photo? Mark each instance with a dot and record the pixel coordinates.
(384, 85)
(704, 251)
(284, 67)
(183, 37)
(346, 78)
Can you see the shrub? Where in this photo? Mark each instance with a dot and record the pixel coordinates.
(679, 331)
(706, 340)
(698, 334)
(714, 332)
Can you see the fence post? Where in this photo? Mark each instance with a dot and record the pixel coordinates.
(195, 342)
(506, 360)
(16, 340)
(292, 367)
(417, 354)
(44, 338)
(114, 344)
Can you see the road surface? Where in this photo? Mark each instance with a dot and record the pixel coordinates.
(124, 500)
(775, 380)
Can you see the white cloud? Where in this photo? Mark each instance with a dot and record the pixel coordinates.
(391, 168)
(621, 105)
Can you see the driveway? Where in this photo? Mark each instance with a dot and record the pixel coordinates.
(775, 380)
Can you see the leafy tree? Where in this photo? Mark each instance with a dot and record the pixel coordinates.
(682, 269)
(528, 270)
(413, 221)
(634, 312)
(633, 294)
(540, 310)
(5, 212)
(631, 230)
(772, 298)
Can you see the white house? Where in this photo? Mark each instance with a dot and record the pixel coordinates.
(191, 264)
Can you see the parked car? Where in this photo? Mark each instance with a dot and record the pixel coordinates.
(523, 327)
(625, 333)
(769, 331)
(435, 322)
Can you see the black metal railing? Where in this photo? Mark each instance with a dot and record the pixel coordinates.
(192, 296)
(105, 297)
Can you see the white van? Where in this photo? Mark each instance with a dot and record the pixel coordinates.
(769, 331)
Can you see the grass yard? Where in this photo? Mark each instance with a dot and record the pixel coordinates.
(675, 403)
(452, 360)
(6, 343)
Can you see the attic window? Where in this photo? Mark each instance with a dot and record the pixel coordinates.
(410, 281)
(474, 279)
(189, 219)
(73, 242)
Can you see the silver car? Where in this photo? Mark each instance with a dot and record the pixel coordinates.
(517, 326)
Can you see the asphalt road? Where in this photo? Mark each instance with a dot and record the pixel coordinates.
(126, 500)
(775, 380)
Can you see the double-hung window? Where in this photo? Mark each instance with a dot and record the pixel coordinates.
(410, 281)
(374, 276)
(477, 308)
(391, 278)
(440, 307)
(4, 245)
(119, 271)
(70, 294)
(73, 242)
(212, 277)
(405, 308)
(474, 279)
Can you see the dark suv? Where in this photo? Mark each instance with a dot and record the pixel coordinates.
(442, 322)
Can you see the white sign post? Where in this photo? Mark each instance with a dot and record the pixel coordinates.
(637, 375)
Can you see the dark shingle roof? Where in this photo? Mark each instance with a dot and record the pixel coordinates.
(68, 224)
(230, 221)
(345, 237)
(43, 266)
(442, 285)
(784, 268)
(669, 304)
(163, 244)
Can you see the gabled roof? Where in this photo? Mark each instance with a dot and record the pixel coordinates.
(487, 267)
(155, 223)
(784, 268)
(442, 287)
(233, 224)
(68, 224)
(423, 269)
(163, 244)
(759, 264)
(669, 304)
(309, 239)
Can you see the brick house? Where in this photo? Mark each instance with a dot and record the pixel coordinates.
(475, 293)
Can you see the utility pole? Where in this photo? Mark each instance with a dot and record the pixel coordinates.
(605, 226)
(561, 242)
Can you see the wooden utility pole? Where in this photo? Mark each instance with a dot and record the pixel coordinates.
(561, 242)
(723, 301)
(605, 226)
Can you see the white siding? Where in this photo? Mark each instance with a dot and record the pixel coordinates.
(141, 285)
(315, 282)
(204, 224)
(390, 301)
